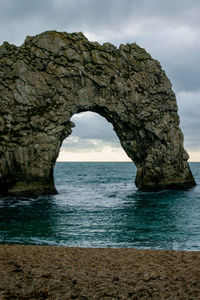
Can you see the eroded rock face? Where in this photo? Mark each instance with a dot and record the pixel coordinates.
(54, 75)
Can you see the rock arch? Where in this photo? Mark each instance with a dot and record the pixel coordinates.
(54, 75)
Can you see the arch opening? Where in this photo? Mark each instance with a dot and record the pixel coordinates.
(92, 139)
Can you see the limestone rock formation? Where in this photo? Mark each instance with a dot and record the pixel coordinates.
(54, 75)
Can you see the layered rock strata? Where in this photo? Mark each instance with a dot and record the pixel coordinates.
(55, 75)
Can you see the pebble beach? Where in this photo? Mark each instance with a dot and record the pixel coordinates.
(48, 272)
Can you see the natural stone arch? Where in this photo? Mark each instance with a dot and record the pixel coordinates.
(54, 75)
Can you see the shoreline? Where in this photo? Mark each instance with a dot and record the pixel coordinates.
(98, 248)
(60, 272)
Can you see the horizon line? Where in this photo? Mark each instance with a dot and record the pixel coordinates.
(108, 161)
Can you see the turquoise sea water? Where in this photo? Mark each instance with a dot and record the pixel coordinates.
(98, 205)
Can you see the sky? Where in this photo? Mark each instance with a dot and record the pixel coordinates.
(168, 30)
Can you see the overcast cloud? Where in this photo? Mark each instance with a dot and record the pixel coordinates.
(168, 30)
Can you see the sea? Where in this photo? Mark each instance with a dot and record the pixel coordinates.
(98, 205)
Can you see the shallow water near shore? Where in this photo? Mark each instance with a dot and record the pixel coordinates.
(98, 205)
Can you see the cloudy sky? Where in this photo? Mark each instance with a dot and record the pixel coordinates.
(168, 30)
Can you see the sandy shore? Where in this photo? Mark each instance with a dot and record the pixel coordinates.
(46, 272)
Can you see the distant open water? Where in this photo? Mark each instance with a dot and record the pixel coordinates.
(98, 205)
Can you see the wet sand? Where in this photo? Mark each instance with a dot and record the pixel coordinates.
(47, 272)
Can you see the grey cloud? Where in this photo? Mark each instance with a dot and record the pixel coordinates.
(12, 10)
(94, 15)
(168, 30)
(68, 15)
(98, 14)
(93, 126)
(77, 144)
(185, 77)
(189, 111)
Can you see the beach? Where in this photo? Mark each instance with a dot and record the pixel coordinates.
(49, 272)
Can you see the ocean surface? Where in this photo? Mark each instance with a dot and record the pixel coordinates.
(98, 205)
